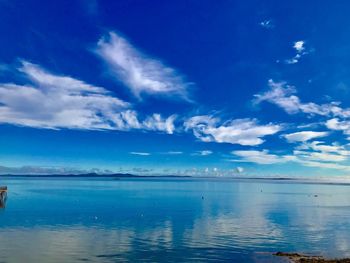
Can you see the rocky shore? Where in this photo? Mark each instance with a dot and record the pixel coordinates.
(300, 258)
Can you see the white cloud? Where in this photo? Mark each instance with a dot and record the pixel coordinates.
(314, 154)
(140, 153)
(267, 24)
(173, 152)
(59, 83)
(155, 122)
(128, 119)
(293, 60)
(338, 125)
(319, 151)
(261, 157)
(299, 46)
(310, 125)
(139, 72)
(55, 101)
(321, 147)
(320, 156)
(282, 95)
(240, 131)
(326, 165)
(303, 136)
(203, 153)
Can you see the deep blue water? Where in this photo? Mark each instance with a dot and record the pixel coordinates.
(170, 220)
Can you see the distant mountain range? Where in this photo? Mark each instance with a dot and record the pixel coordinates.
(92, 175)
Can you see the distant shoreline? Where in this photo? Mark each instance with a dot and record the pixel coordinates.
(92, 175)
(135, 176)
(128, 175)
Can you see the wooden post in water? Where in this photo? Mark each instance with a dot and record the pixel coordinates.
(3, 196)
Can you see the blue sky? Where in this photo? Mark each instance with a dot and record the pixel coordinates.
(175, 87)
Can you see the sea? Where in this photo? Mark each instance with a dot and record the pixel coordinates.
(171, 219)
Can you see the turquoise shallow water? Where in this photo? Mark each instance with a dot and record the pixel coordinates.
(170, 220)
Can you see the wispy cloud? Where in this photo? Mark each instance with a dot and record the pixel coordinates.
(327, 165)
(56, 101)
(309, 153)
(300, 49)
(240, 131)
(282, 95)
(203, 153)
(140, 153)
(53, 101)
(261, 157)
(322, 147)
(319, 151)
(142, 74)
(320, 156)
(173, 153)
(156, 122)
(314, 154)
(141, 170)
(338, 125)
(267, 24)
(304, 136)
(128, 120)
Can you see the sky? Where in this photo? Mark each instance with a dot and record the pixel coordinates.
(202, 88)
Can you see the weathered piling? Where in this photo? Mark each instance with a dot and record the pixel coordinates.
(3, 196)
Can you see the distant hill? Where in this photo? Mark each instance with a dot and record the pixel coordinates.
(92, 175)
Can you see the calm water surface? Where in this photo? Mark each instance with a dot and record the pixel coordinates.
(170, 220)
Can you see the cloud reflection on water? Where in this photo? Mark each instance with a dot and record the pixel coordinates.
(171, 220)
